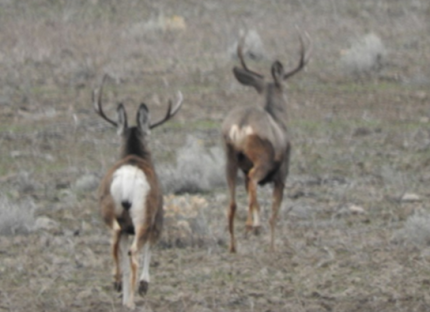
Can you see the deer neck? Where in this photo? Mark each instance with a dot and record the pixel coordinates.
(276, 106)
(133, 145)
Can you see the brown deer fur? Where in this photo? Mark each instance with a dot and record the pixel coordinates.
(154, 202)
(130, 198)
(256, 141)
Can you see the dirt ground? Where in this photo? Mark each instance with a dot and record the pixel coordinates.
(352, 233)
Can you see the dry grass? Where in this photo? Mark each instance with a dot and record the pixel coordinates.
(355, 144)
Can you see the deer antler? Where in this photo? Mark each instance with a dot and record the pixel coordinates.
(98, 102)
(170, 113)
(304, 57)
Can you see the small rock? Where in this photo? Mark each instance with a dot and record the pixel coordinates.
(421, 95)
(45, 223)
(176, 22)
(410, 197)
(356, 209)
(425, 254)
(16, 154)
(85, 227)
(67, 195)
(424, 119)
(87, 183)
(361, 131)
(5, 100)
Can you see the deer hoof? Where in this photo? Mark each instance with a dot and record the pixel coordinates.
(256, 230)
(117, 285)
(232, 249)
(248, 229)
(131, 305)
(143, 288)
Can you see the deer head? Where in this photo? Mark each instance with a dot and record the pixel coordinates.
(272, 90)
(133, 137)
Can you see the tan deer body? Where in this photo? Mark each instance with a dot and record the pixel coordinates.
(132, 181)
(131, 200)
(256, 141)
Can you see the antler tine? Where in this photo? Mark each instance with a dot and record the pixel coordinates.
(310, 48)
(240, 54)
(304, 57)
(241, 58)
(98, 102)
(170, 113)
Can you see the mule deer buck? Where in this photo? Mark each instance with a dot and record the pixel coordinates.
(256, 141)
(130, 196)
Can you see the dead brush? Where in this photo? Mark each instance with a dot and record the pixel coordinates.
(185, 222)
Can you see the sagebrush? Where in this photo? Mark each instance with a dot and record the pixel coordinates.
(16, 217)
(197, 169)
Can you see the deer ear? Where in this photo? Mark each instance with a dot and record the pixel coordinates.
(277, 72)
(249, 79)
(122, 119)
(142, 119)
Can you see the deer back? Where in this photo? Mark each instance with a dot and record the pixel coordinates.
(243, 122)
(268, 121)
(130, 191)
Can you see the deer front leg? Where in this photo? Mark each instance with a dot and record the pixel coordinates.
(253, 219)
(278, 193)
(231, 173)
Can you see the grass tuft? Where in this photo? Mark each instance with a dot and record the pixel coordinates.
(365, 56)
(197, 169)
(416, 229)
(253, 46)
(16, 217)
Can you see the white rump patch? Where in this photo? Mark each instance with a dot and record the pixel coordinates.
(129, 184)
(238, 135)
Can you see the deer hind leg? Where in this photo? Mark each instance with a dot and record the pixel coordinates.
(133, 254)
(257, 173)
(231, 173)
(260, 153)
(117, 272)
(278, 193)
(144, 278)
(125, 267)
(253, 218)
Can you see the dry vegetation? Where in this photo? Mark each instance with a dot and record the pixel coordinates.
(354, 231)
